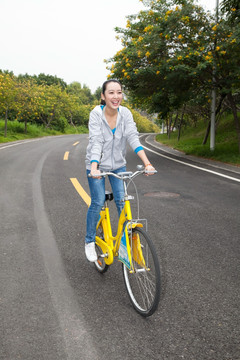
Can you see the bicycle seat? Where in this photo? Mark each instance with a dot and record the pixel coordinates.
(108, 195)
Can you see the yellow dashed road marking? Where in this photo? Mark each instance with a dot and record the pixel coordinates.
(81, 191)
(66, 155)
(76, 143)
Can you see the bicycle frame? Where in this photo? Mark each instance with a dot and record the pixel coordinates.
(125, 225)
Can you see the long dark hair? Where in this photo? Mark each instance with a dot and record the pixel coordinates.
(104, 87)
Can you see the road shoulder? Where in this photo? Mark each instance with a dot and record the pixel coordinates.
(151, 140)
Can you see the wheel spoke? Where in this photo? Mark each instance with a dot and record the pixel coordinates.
(147, 285)
(144, 291)
(143, 282)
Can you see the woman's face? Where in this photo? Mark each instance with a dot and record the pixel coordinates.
(113, 95)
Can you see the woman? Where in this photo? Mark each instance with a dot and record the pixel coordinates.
(110, 126)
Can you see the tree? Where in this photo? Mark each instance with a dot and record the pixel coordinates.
(170, 52)
(43, 99)
(48, 99)
(7, 96)
(49, 80)
(75, 112)
(43, 79)
(82, 93)
(97, 94)
(26, 100)
(230, 85)
(160, 55)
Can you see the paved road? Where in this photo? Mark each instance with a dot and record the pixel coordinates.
(54, 305)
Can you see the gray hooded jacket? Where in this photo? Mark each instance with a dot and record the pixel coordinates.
(106, 148)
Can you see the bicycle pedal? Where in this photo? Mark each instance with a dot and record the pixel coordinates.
(103, 255)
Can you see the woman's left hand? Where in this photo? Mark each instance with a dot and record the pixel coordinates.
(150, 170)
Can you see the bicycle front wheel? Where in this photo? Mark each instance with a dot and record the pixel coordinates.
(143, 281)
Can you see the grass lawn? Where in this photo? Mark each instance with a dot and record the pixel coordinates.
(15, 131)
(226, 144)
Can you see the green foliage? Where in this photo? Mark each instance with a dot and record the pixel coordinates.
(97, 94)
(43, 79)
(144, 125)
(232, 9)
(174, 54)
(83, 94)
(46, 102)
(43, 100)
(164, 54)
(61, 124)
(83, 114)
(16, 131)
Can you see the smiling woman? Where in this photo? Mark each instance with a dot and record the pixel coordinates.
(111, 126)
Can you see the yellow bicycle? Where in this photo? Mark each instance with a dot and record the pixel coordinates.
(133, 247)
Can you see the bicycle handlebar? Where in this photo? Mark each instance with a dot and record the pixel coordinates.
(125, 174)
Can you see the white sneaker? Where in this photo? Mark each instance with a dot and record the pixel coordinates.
(90, 252)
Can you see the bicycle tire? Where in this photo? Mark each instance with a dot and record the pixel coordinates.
(143, 284)
(100, 264)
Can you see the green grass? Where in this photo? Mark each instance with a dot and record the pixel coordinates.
(15, 131)
(226, 144)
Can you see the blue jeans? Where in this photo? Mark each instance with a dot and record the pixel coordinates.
(97, 191)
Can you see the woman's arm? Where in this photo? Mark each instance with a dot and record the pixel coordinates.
(95, 135)
(148, 166)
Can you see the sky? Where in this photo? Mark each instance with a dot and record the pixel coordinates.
(66, 38)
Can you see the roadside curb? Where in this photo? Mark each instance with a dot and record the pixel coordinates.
(151, 140)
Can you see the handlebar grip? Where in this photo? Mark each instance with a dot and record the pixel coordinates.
(150, 172)
(94, 176)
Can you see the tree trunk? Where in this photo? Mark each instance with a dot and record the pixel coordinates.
(175, 121)
(71, 121)
(6, 119)
(235, 115)
(180, 123)
(169, 126)
(209, 123)
(25, 126)
(207, 133)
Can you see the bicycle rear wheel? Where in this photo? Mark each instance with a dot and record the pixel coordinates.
(143, 283)
(100, 264)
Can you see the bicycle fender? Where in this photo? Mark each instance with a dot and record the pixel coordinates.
(105, 249)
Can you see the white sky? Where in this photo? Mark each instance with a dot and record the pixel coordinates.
(66, 38)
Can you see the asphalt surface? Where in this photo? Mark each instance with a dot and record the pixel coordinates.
(53, 303)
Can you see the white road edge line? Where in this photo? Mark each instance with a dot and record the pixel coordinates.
(193, 166)
(18, 143)
(212, 165)
(26, 141)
